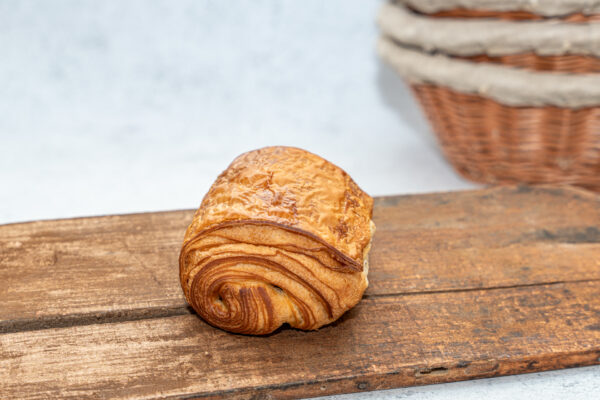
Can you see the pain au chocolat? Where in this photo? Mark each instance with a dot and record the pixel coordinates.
(282, 236)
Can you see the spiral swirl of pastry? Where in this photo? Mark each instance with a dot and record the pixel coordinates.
(281, 237)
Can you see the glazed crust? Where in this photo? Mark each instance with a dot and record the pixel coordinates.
(282, 236)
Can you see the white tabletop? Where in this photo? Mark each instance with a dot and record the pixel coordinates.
(114, 107)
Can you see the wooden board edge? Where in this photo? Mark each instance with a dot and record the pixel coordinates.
(407, 377)
(379, 200)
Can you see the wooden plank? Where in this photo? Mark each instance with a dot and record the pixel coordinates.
(498, 237)
(88, 269)
(84, 270)
(385, 342)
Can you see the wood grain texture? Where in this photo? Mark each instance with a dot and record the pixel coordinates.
(462, 285)
(384, 342)
(63, 272)
(90, 269)
(484, 239)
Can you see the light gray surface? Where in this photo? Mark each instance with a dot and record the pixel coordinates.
(112, 107)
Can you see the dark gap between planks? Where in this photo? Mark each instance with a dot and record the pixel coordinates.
(66, 321)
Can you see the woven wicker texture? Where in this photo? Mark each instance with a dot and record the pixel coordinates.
(510, 15)
(493, 143)
(490, 142)
(578, 64)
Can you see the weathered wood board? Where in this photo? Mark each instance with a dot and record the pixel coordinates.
(462, 285)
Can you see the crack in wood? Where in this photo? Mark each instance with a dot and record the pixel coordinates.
(107, 317)
(64, 321)
(476, 289)
(431, 371)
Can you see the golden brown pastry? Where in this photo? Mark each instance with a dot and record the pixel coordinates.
(282, 236)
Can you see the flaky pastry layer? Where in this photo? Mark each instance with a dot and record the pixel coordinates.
(281, 237)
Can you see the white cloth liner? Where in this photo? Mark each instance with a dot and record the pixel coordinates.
(507, 85)
(487, 36)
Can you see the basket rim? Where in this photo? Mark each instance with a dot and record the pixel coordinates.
(546, 8)
(507, 85)
(467, 37)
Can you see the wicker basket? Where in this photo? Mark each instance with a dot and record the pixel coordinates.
(491, 142)
(509, 15)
